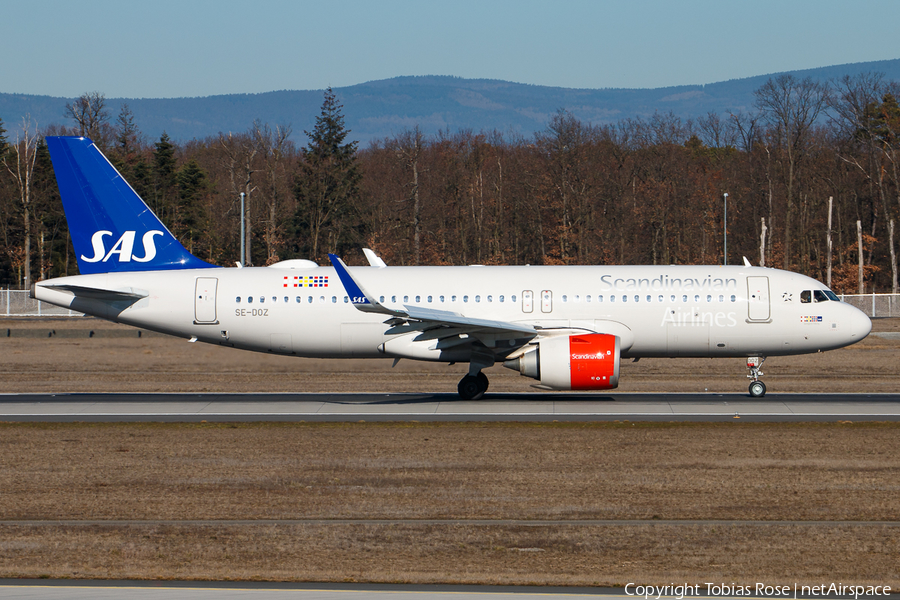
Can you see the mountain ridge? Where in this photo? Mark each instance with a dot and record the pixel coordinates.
(377, 109)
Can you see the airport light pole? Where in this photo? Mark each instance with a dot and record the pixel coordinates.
(725, 227)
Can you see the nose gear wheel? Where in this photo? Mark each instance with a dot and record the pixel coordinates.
(757, 387)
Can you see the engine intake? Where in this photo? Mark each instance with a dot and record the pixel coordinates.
(577, 362)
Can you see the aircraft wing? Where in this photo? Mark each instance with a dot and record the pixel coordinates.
(417, 318)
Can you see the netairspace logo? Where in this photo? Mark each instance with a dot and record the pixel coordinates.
(759, 590)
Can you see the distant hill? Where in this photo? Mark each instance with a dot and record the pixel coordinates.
(379, 109)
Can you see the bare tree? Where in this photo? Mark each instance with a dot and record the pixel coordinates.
(240, 150)
(89, 112)
(792, 107)
(24, 154)
(716, 132)
(275, 149)
(408, 148)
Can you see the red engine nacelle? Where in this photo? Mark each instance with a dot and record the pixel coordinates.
(577, 362)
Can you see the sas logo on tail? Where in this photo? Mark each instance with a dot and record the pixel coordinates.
(124, 247)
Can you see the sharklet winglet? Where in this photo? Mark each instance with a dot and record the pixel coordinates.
(361, 299)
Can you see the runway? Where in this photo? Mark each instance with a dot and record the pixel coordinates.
(538, 407)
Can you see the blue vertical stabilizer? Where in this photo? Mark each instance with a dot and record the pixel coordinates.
(112, 229)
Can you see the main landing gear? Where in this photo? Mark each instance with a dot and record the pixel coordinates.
(473, 387)
(475, 384)
(757, 387)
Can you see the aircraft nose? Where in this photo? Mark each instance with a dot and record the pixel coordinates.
(860, 325)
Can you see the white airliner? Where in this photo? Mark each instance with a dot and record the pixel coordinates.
(568, 327)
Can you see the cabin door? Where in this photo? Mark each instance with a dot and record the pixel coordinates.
(205, 300)
(758, 306)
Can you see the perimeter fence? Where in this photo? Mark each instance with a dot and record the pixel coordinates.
(875, 305)
(16, 303)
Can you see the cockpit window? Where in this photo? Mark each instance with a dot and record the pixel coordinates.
(807, 296)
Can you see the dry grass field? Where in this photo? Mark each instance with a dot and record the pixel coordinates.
(740, 471)
(644, 472)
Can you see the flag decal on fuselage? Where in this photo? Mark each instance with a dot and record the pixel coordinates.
(315, 281)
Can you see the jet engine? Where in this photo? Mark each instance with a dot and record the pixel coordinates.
(575, 362)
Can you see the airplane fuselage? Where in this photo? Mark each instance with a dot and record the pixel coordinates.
(656, 311)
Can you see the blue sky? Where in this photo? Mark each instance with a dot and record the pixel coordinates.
(165, 48)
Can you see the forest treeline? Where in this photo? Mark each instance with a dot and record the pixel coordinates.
(639, 191)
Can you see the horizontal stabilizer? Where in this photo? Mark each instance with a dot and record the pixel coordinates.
(126, 294)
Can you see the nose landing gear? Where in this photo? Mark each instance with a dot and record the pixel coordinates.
(757, 387)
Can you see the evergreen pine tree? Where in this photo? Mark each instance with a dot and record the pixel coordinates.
(328, 183)
(4, 145)
(189, 220)
(164, 178)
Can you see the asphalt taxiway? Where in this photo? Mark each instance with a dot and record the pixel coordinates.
(214, 407)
